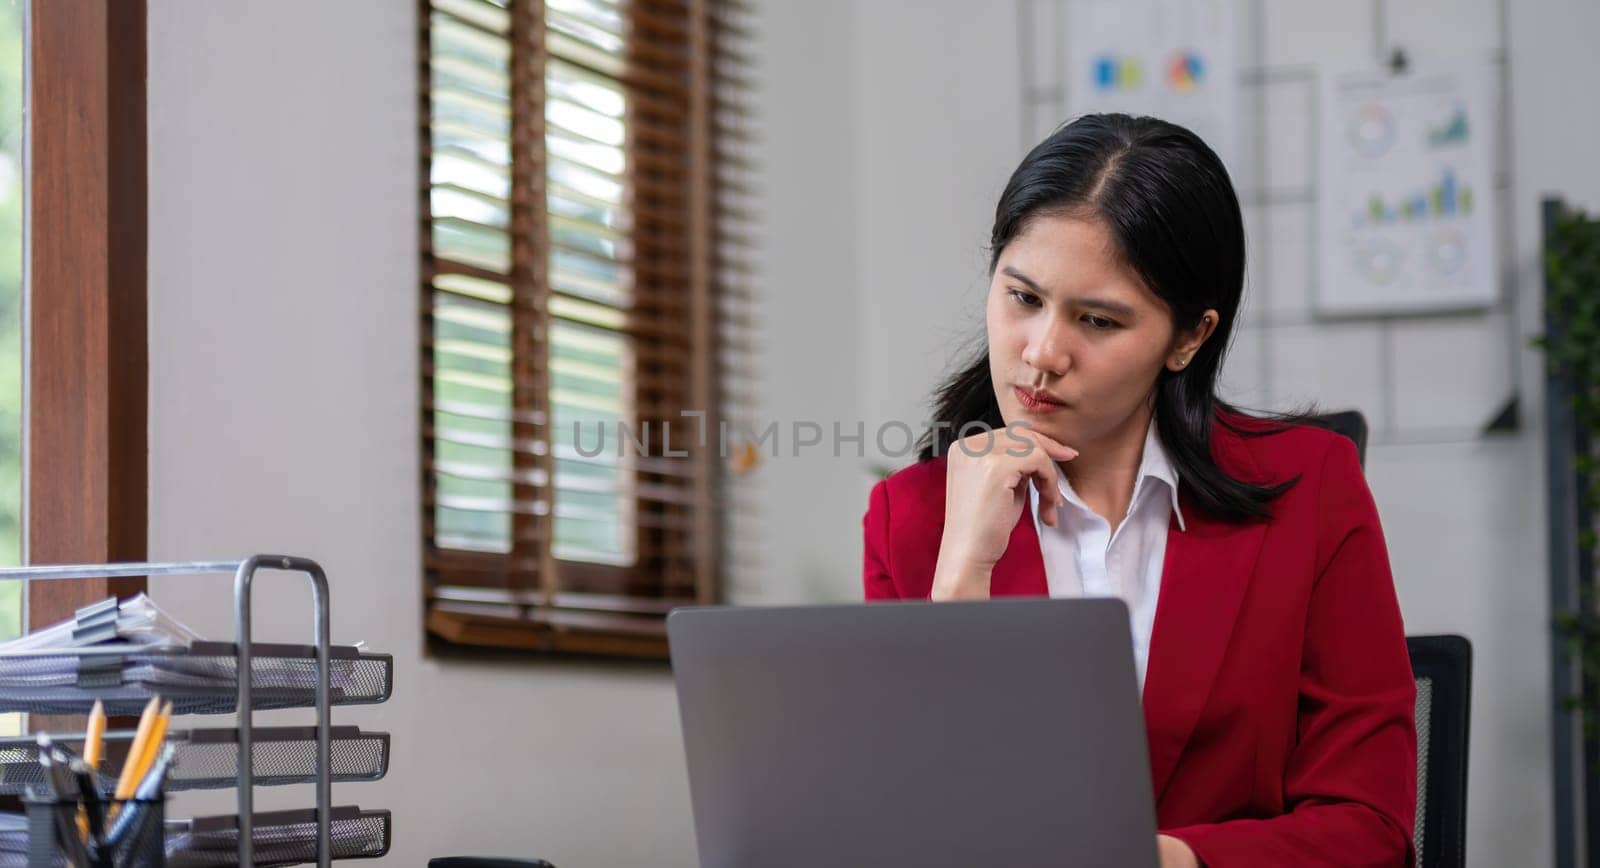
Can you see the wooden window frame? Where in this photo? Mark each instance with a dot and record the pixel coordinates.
(531, 601)
(86, 441)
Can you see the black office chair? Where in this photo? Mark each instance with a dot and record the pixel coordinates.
(1351, 424)
(478, 862)
(1442, 666)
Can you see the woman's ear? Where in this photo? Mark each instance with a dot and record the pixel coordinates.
(1186, 344)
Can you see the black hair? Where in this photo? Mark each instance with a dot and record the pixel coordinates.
(1166, 199)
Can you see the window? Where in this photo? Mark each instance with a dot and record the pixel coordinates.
(581, 284)
(11, 186)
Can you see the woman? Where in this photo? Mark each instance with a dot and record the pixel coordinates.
(1278, 694)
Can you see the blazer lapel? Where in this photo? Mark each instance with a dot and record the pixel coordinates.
(1203, 582)
(1020, 571)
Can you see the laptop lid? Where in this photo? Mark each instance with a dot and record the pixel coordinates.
(1003, 732)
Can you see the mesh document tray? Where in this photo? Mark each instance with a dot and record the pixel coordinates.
(280, 838)
(199, 679)
(209, 758)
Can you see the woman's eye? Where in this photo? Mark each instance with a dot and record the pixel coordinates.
(1026, 298)
(1099, 322)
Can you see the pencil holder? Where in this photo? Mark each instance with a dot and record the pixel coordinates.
(139, 844)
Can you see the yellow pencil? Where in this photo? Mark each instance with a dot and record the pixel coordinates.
(93, 750)
(94, 742)
(141, 737)
(152, 747)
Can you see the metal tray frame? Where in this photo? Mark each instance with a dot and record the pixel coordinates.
(244, 574)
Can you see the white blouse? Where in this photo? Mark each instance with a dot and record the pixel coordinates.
(1083, 558)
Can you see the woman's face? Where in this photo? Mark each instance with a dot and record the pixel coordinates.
(1068, 319)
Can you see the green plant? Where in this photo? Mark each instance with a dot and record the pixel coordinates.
(1572, 348)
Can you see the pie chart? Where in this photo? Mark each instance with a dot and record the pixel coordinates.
(1185, 71)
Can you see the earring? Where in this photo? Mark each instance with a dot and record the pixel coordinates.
(1182, 362)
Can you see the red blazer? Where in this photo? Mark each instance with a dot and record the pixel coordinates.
(1279, 698)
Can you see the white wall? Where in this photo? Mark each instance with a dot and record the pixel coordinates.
(937, 118)
(283, 390)
(890, 130)
(811, 285)
(283, 378)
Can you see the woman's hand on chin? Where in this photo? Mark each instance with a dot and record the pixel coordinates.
(985, 488)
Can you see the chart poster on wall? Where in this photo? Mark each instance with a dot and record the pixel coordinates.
(1406, 218)
(1173, 59)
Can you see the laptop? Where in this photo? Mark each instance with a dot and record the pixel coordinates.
(914, 735)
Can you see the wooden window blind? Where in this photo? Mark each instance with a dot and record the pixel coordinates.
(585, 304)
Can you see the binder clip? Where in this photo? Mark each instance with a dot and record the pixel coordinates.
(94, 624)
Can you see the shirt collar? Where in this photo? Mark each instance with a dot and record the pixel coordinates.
(1156, 465)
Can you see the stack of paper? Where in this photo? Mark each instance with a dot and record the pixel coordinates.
(162, 657)
(138, 621)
